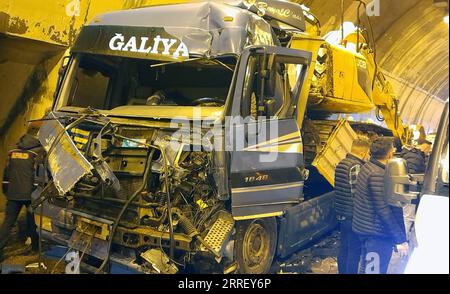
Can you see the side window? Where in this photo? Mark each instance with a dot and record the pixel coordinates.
(271, 88)
(295, 75)
(249, 100)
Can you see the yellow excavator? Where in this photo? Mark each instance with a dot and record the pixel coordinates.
(344, 79)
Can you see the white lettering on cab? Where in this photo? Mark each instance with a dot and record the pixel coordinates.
(133, 44)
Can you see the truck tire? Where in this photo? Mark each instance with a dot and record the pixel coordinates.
(255, 245)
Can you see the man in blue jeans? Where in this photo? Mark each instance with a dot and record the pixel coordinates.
(380, 226)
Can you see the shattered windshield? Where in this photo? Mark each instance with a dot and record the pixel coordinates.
(109, 82)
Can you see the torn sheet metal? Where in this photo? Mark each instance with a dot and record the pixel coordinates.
(159, 261)
(209, 28)
(107, 175)
(103, 169)
(65, 161)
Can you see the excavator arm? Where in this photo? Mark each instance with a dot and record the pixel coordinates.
(387, 105)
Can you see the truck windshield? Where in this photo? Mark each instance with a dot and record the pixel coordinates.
(107, 82)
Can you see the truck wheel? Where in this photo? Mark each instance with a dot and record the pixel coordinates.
(255, 245)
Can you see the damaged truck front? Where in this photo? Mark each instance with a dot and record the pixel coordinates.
(139, 139)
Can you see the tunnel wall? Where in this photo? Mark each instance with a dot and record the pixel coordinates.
(33, 84)
(32, 43)
(417, 106)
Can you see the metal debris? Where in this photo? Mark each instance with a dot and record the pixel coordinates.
(159, 261)
(66, 163)
(319, 258)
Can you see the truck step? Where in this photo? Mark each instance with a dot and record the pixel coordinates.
(219, 232)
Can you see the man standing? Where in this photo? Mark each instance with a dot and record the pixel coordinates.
(20, 172)
(416, 163)
(415, 159)
(345, 181)
(379, 225)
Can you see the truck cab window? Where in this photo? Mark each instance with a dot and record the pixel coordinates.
(253, 104)
(279, 87)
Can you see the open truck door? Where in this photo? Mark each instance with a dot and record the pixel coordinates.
(266, 143)
(267, 170)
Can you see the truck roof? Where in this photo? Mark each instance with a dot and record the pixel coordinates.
(206, 28)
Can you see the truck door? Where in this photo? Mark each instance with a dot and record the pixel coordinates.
(262, 132)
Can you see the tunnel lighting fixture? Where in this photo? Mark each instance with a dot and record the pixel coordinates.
(446, 19)
(440, 3)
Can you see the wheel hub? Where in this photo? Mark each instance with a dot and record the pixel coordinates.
(256, 245)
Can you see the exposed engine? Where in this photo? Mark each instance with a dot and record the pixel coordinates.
(157, 201)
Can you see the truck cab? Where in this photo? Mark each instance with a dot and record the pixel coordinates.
(174, 143)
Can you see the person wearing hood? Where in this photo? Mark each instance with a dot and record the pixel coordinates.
(20, 173)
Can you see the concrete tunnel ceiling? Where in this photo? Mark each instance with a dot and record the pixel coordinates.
(412, 48)
(412, 45)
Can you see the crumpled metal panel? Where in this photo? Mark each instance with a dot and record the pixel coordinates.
(206, 28)
(102, 168)
(65, 161)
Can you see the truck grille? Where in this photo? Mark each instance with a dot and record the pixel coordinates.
(80, 137)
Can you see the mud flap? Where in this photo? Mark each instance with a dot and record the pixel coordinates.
(90, 246)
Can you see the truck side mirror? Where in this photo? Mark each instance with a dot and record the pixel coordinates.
(399, 184)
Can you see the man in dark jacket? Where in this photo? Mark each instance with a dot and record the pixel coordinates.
(20, 173)
(379, 225)
(416, 163)
(415, 159)
(344, 185)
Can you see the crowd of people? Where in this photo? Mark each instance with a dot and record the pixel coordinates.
(371, 229)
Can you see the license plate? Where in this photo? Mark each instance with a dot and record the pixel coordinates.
(89, 245)
(90, 227)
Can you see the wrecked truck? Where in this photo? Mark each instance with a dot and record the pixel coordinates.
(133, 181)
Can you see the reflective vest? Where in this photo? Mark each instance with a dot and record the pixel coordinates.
(21, 173)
